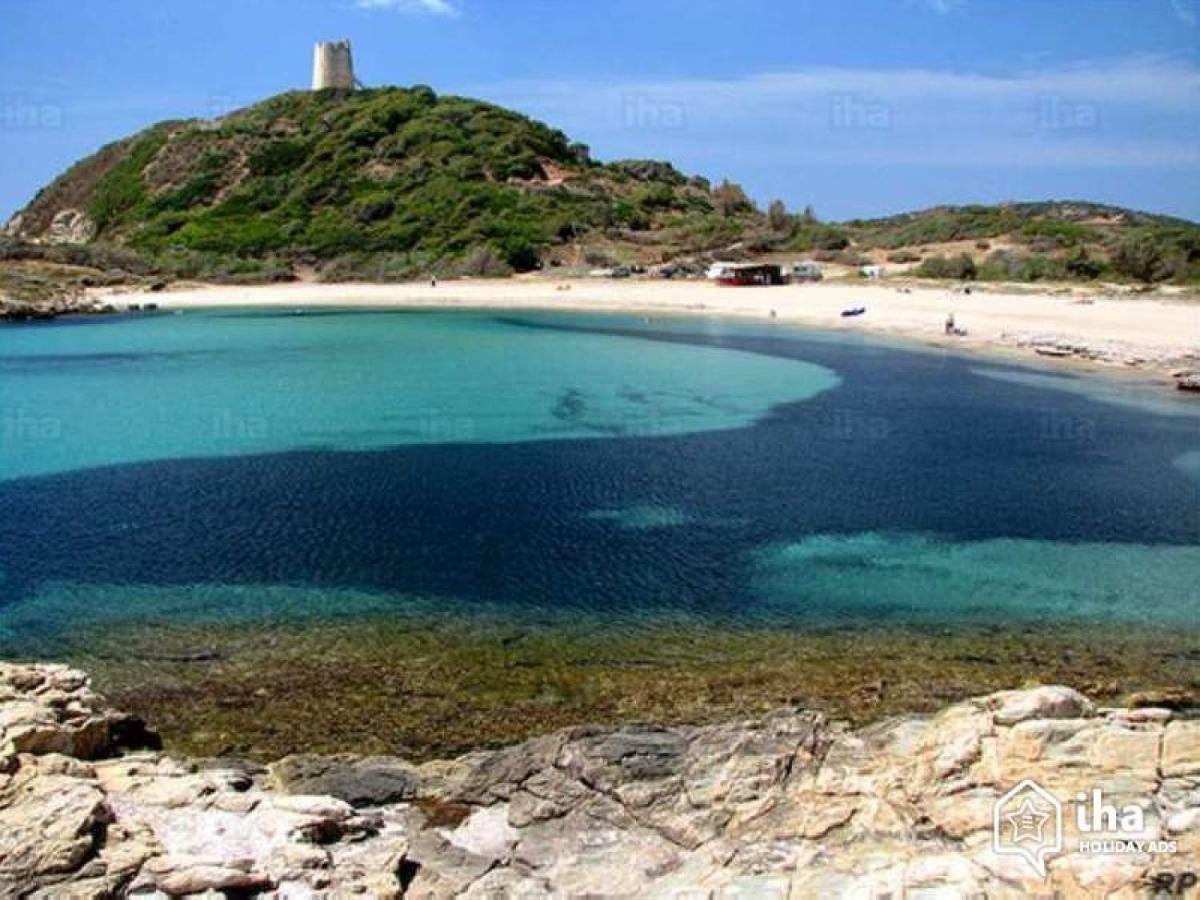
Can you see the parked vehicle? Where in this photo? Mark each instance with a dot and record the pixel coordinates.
(804, 272)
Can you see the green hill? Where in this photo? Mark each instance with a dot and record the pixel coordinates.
(1052, 240)
(397, 183)
(336, 178)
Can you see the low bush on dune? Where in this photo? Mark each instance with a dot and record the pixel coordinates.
(1004, 265)
(960, 267)
(1152, 256)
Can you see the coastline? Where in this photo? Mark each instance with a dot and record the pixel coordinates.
(1153, 337)
(787, 802)
(770, 753)
(426, 685)
(209, 690)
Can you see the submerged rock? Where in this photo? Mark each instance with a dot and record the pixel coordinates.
(786, 805)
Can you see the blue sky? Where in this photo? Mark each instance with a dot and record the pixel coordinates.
(859, 108)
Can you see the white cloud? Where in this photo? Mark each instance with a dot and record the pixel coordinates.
(419, 7)
(1140, 112)
(1150, 82)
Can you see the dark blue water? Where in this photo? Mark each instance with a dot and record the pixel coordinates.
(924, 487)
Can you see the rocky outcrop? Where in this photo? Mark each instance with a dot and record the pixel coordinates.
(1188, 380)
(71, 226)
(790, 805)
(64, 305)
(1109, 352)
(53, 710)
(66, 226)
(373, 781)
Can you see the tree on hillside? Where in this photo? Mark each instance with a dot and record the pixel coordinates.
(1141, 257)
(809, 215)
(1080, 265)
(731, 199)
(778, 218)
(581, 153)
(960, 268)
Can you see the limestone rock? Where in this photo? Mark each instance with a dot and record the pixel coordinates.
(71, 226)
(1052, 702)
(49, 825)
(360, 782)
(52, 709)
(1170, 700)
(787, 805)
(1181, 749)
(198, 879)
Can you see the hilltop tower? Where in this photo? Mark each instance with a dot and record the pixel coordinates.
(333, 66)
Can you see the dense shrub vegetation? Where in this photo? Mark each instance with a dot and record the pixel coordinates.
(1056, 241)
(961, 267)
(438, 182)
(400, 183)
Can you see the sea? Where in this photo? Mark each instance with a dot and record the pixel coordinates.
(232, 466)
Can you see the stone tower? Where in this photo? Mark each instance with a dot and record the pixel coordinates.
(333, 66)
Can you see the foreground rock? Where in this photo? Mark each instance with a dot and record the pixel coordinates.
(790, 805)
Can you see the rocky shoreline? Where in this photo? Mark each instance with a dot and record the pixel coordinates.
(53, 308)
(790, 804)
(1178, 362)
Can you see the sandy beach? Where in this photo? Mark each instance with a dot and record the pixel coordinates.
(1152, 334)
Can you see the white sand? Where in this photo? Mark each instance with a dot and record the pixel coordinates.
(1161, 331)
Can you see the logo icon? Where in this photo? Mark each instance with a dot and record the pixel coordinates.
(1027, 822)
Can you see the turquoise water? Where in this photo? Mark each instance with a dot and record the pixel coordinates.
(242, 466)
(222, 384)
(929, 580)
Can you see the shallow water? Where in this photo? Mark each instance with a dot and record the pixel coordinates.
(81, 395)
(220, 467)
